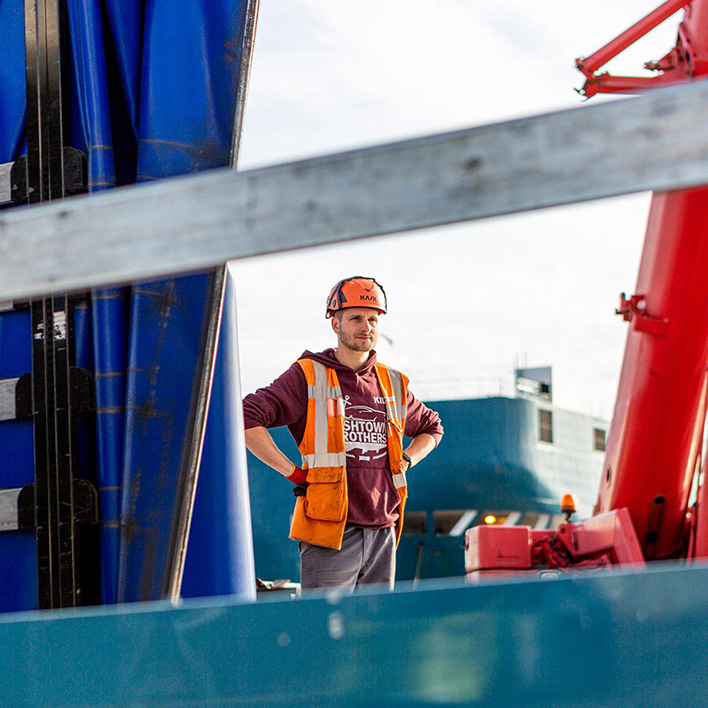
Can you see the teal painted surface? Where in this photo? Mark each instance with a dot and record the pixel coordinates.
(483, 459)
(622, 639)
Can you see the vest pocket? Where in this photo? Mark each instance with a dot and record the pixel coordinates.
(326, 498)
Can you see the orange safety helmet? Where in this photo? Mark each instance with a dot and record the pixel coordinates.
(357, 291)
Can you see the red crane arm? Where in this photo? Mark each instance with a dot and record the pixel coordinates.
(687, 60)
(659, 413)
(655, 439)
(654, 444)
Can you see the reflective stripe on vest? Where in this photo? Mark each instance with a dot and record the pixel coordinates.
(396, 405)
(394, 388)
(399, 480)
(328, 404)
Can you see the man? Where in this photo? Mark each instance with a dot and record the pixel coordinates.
(348, 414)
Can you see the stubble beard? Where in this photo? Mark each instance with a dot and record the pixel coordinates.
(358, 346)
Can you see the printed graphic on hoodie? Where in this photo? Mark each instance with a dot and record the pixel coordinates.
(364, 432)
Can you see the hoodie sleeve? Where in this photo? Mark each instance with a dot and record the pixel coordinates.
(283, 402)
(421, 419)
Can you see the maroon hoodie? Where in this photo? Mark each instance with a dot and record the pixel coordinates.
(373, 500)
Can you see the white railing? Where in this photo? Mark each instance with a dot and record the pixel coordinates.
(654, 142)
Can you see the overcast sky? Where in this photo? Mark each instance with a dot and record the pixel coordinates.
(465, 301)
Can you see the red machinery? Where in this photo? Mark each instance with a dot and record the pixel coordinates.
(654, 447)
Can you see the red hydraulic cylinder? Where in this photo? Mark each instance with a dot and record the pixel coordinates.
(655, 435)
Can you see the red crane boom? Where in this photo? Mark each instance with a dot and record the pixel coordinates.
(657, 426)
(654, 445)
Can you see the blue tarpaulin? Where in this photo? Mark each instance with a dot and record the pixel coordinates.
(151, 94)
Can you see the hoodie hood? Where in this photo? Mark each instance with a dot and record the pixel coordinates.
(328, 358)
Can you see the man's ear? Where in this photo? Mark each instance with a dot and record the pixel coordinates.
(335, 325)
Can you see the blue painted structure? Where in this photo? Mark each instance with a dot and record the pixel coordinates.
(18, 579)
(603, 639)
(153, 93)
(490, 461)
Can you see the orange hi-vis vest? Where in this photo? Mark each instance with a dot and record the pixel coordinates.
(320, 516)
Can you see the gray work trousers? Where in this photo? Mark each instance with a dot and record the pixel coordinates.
(367, 556)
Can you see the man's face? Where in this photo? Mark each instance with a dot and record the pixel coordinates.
(357, 328)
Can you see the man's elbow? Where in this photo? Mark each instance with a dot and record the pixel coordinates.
(254, 435)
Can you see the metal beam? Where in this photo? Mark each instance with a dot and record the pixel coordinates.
(9, 520)
(8, 399)
(658, 141)
(6, 183)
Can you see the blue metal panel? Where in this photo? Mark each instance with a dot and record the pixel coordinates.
(166, 336)
(191, 62)
(619, 639)
(92, 123)
(172, 69)
(488, 459)
(110, 336)
(125, 18)
(186, 123)
(220, 552)
(18, 570)
(92, 133)
(12, 78)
